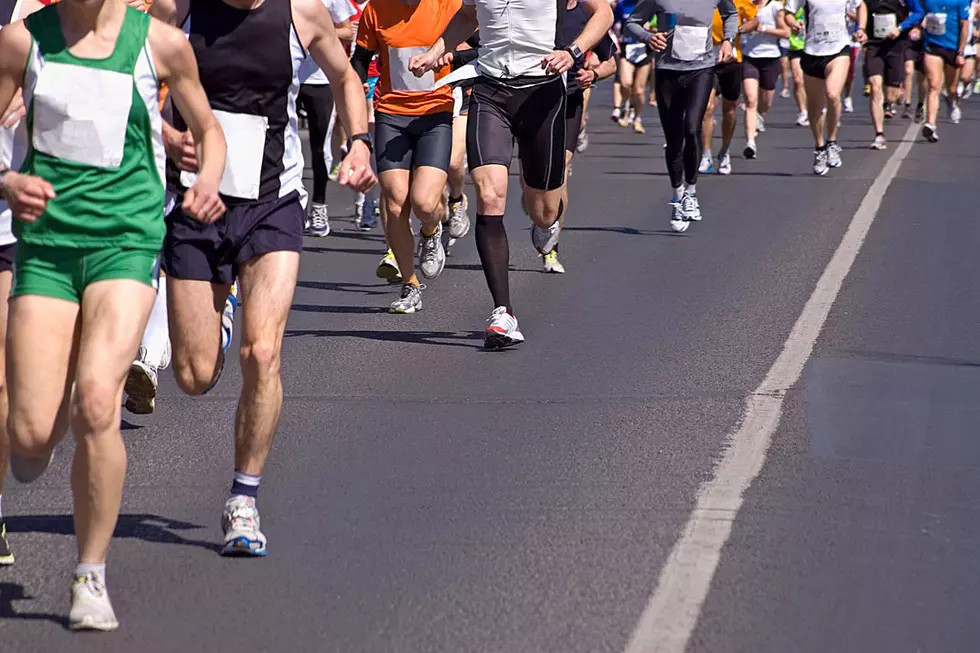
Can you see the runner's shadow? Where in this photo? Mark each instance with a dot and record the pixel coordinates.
(145, 527)
(361, 288)
(346, 310)
(465, 339)
(10, 592)
(475, 267)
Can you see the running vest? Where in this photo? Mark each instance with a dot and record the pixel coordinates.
(249, 63)
(93, 132)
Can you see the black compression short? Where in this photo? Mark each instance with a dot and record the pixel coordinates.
(574, 111)
(816, 66)
(533, 115)
(767, 71)
(729, 77)
(885, 60)
(410, 142)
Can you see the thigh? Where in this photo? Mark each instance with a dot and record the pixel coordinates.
(427, 183)
(48, 272)
(730, 80)
(750, 85)
(395, 186)
(6, 279)
(433, 141)
(393, 144)
(194, 311)
(894, 72)
(697, 93)
(641, 76)
(626, 72)
(874, 62)
(267, 286)
(813, 67)
(489, 135)
(318, 103)
(933, 66)
(836, 71)
(540, 132)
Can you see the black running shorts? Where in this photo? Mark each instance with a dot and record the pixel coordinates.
(886, 60)
(532, 115)
(573, 119)
(410, 142)
(729, 77)
(767, 71)
(816, 66)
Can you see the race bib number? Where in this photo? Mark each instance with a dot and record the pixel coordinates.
(936, 24)
(245, 135)
(403, 79)
(829, 31)
(690, 42)
(882, 24)
(636, 52)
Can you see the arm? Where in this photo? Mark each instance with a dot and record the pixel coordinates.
(315, 29)
(751, 25)
(176, 66)
(782, 30)
(360, 61)
(916, 15)
(635, 26)
(462, 26)
(861, 18)
(600, 20)
(729, 18)
(345, 31)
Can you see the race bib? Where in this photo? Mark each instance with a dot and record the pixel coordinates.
(402, 79)
(636, 52)
(936, 24)
(245, 135)
(690, 42)
(882, 24)
(81, 114)
(828, 31)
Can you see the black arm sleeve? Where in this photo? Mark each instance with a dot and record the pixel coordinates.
(360, 62)
(605, 49)
(463, 57)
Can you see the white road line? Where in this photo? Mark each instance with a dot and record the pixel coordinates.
(672, 613)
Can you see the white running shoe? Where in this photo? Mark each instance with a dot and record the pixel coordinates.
(879, 143)
(930, 133)
(90, 605)
(725, 165)
(228, 318)
(955, 114)
(240, 524)
(802, 120)
(141, 386)
(410, 300)
(848, 105)
(432, 254)
(760, 123)
(751, 151)
(459, 219)
(707, 165)
(551, 263)
(833, 154)
(678, 224)
(583, 142)
(503, 330)
(545, 240)
(388, 268)
(690, 207)
(820, 166)
(784, 93)
(319, 222)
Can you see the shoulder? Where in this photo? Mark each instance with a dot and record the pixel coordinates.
(166, 38)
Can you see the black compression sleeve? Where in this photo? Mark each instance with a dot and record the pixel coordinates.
(360, 61)
(463, 57)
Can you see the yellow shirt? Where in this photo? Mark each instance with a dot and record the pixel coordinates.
(746, 12)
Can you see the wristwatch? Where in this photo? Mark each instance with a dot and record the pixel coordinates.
(576, 53)
(364, 138)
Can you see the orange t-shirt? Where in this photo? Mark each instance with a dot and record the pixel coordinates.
(398, 32)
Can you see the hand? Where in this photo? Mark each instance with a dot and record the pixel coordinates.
(797, 28)
(558, 62)
(915, 34)
(420, 64)
(15, 111)
(591, 61)
(892, 34)
(727, 52)
(860, 36)
(355, 171)
(27, 195)
(137, 4)
(960, 60)
(445, 60)
(203, 203)
(658, 41)
(586, 78)
(181, 150)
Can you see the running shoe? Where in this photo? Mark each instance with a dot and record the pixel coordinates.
(6, 555)
(583, 142)
(624, 120)
(955, 114)
(545, 240)
(930, 133)
(820, 166)
(802, 120)
(785, 93)
(228, 318)
(725, 165)
(760, 121)
(319, 222)
(848, 105)
(240, 524)
(678, 223)
(410, 300)
(879, 143)
(432, 255)
(359, 202)
(907, 113)
(976, 87)
(707, 165)
(90, 605)
(920, 113)
(617, 113)
(372, 214)
(833, 154)
(459, 219)
(551, 263)
(867, 90)
(690, 207)
(503, 330)
(631, 116)
(141, 386)
(638, 126)
(889, 111)
(750, 151)
(967, 92)
(388, 268)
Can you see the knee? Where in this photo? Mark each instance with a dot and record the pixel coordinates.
(491, 200)
(426, 205)
(394, 203)
(833, 96)
(29, 436)
(194, 376)
(95, 407)
(260, 360)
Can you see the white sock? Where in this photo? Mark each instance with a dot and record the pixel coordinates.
(707, 154)
(83, 569)
(679, 193)
(692, 189)
(156, 338)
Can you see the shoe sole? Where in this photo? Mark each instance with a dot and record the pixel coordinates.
(495, 341)
(407, 311)
(7, 560)
(141, 391)
(442, 267)
(821, 173)
(388, 273)
(317, 234)
(679, 227)
(553, 270)
(88, 624)
(749, 154)
(240, 547)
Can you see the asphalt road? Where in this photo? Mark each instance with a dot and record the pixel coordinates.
(424, 495)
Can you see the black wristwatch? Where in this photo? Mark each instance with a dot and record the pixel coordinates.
(576, 53)
(364, 138)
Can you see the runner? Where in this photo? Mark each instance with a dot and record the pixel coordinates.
(947, 34)
(968, 70)
(885, 26)
(634, 71)
(457, 222)
(851, 8)
(825, 62)
(729, 78)
(316, 99)
(685, 77)
(915, 77)
(251, 76)
(89, 221)
(518, 95)
(761, 62)
(797, 41)
(621, 97)
(414, 132)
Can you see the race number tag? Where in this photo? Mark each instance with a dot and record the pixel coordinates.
(636, 52)
(403, 79)
(690, 42)
(245, 136)
(829, 31)
(882, 24)
(936, 24)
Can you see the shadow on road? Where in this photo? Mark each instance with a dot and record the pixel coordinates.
(349, 310)
(467, 339)
(360, 288)
(145, 527)
(10, 592)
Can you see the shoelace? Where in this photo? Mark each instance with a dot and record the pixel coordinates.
(429, 245)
